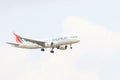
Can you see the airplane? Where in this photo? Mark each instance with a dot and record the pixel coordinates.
(60, 43)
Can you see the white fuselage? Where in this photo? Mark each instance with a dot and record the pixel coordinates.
(56, 42)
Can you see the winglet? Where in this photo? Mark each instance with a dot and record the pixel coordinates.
(17, 37)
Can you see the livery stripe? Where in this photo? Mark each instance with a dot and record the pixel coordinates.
(18, 40)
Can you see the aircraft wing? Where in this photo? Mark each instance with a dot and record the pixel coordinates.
(41, 43)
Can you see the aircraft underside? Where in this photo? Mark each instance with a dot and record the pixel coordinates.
(60, 43)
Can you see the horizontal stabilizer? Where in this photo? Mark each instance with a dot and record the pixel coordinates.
(14, 44)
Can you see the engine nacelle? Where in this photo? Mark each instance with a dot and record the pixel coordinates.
(62, 47)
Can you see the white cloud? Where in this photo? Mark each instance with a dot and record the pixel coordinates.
(96, 39)
(16, 64)
(10, 58)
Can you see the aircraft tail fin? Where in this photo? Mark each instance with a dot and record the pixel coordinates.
(18, 38)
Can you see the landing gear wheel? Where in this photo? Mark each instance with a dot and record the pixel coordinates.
(52, 51)
(42, 49)
(70, 46)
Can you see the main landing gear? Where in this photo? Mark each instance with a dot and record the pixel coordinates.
(52, 51)
(42, 49)
(70, 46)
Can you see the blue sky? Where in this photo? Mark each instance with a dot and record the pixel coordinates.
(95, 58)
(26, 16)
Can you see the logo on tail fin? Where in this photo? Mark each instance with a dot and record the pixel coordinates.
(18, 38)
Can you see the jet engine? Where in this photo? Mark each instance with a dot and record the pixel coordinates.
(62, 47)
